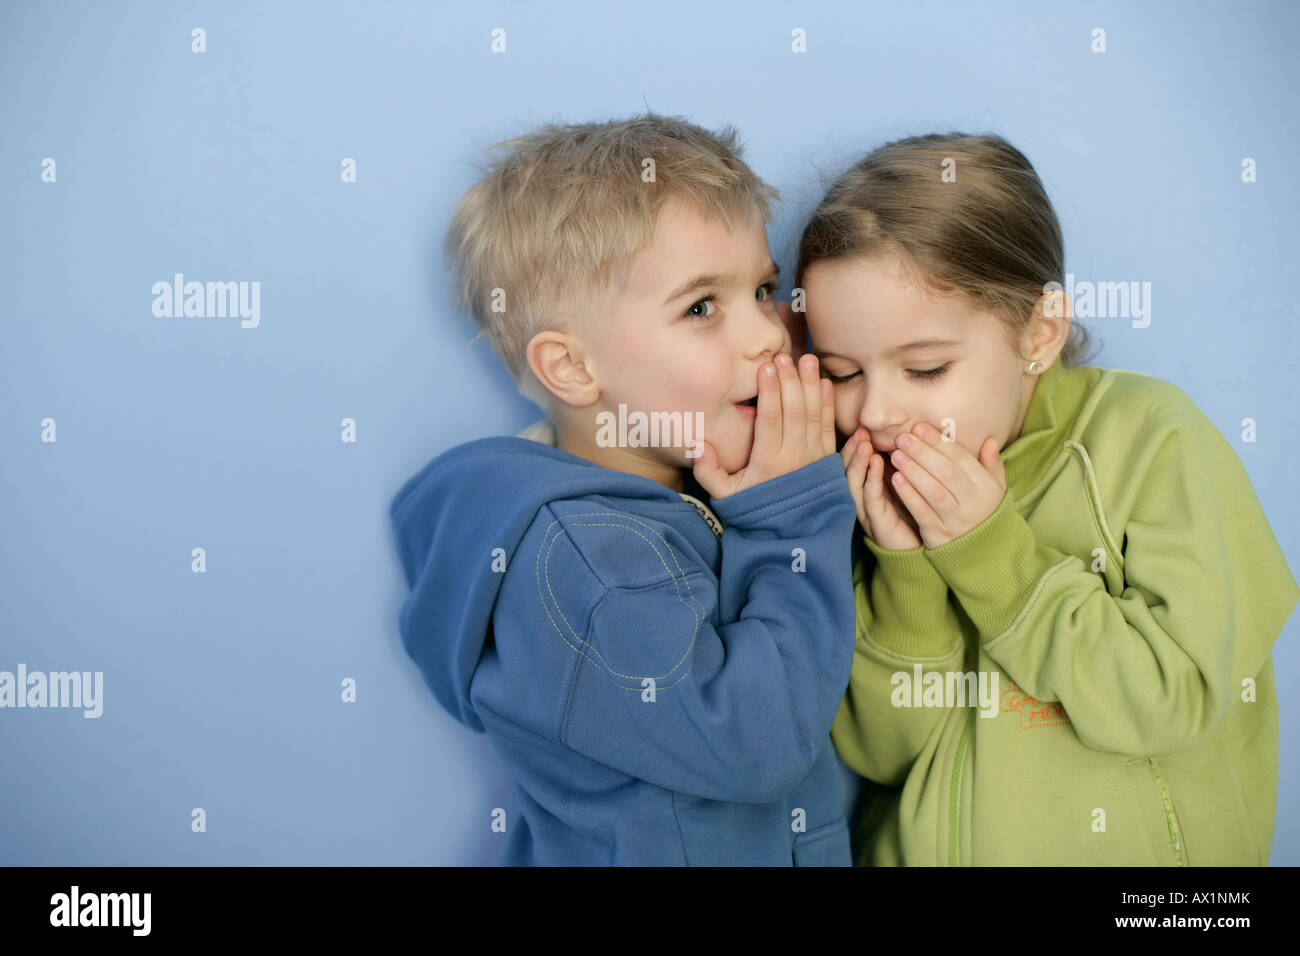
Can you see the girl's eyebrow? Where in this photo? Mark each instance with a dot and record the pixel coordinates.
(920, 344)
(910, 346)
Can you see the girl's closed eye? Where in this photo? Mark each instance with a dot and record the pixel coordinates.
(929, 373)
(925, 374)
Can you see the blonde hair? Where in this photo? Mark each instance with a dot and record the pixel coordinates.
(558, 217)
(991, 234)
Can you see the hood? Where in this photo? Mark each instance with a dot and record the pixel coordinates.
(450, 518)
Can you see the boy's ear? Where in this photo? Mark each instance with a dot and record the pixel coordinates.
(560, 362)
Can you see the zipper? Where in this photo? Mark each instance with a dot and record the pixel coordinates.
(1171, 818)
(954, 796)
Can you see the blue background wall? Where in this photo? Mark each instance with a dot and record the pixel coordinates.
(222, 689)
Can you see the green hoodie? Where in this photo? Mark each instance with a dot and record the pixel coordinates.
(1125, 597)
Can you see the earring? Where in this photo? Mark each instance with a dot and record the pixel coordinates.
(1035, 366)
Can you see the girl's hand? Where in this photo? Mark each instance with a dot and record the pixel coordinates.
(947, 489)
(884, 520)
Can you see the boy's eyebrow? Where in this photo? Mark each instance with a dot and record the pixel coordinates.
(714, 279)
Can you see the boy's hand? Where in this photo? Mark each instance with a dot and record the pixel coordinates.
(794, 427)
(947, 489)
(880, 513)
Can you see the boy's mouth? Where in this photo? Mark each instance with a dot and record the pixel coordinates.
(748, 407)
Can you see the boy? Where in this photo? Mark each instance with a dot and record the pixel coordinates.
(660, 675)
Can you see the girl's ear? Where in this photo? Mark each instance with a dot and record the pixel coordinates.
(1054, 303)
(1048, 327)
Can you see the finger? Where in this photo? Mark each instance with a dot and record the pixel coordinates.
(938, 462)
(873, 493)
(828, 415)
(857, 438)
(937, 496)
(712, 477)
(961, 465)
(875, 490)
(793, 413)
(856, 474)
(892, 505)
(810, 376)
(887, 514)
(991, 459)
(767, 423)
(913, 501)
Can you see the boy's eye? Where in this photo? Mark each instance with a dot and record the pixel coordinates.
(770, 288)
(840, 379)
(693, 313)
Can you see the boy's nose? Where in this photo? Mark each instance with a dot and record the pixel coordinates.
(796, 328)
(767, 335)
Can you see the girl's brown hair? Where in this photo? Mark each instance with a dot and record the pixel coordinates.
(968, 214)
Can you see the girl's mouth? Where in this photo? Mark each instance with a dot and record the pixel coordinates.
(748, 407)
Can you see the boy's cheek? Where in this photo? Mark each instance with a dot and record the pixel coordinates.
(796, 328)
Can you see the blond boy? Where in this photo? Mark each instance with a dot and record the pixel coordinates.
(652, 617)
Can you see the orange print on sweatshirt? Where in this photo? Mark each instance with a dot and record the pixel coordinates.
(1033, 713)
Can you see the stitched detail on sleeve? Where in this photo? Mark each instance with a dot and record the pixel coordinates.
(865, 637)
(1094, 500)
(1033, 598)
(586, 649)
(795, 502)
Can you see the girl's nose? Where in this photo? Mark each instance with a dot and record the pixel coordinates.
(879, 414)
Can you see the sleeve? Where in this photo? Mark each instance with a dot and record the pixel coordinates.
(748, 667)
(904, 620)
(1206, 592)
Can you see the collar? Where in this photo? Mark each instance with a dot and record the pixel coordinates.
(544, 432)
(1058, 395)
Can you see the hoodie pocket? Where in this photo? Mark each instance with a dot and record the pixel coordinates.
(1160, 817)
(826, 845)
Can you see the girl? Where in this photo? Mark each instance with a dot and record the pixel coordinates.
(1069, 592)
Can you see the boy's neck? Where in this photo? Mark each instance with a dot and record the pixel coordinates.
(579, 438)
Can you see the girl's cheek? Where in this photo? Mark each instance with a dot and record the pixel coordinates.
(846, 426)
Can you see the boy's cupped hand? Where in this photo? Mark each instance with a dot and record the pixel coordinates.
(944, 490)
(794, 427)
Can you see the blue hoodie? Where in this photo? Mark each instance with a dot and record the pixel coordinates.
(662, 694)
